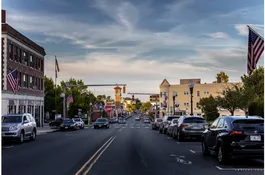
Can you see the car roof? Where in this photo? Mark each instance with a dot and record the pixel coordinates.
(16, 114)
(242, 117)
(186, 116)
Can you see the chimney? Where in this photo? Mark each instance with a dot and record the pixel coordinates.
(3, 16)
(219, 80)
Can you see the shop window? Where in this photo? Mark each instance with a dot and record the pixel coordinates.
(198, 93)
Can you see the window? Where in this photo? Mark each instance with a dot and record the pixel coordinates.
(15, 53)
(19, 55)
(197, 105)
(220, 123)
(214, 124)
(26, 60)
(198, 93)
(30, 81)
(206, 92)
(186, 93)
(42, 66)
(41, 88)
(10, 50)
(26, 80)
(31, 61)
(187, 104)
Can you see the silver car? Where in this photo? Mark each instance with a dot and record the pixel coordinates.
(19, 127)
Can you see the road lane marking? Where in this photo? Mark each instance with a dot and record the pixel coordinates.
(192, 151)
(132, 127)
(7, 147)
(177, 142)
(82, 168)
(239, 169)
(96, 159)
(120, 130)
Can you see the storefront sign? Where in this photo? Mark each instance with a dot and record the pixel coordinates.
(22, 102)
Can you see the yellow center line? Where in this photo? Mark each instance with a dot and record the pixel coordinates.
(91, 165)
(82, 168)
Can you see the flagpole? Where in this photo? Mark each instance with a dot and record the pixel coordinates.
(55, 82)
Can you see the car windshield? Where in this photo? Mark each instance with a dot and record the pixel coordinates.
(159, 120)
(171, 118)
(101, 120)
(194, 120)
(12, 119)
(249, 125)
(77, 119)
(68, 121)
(175, 121)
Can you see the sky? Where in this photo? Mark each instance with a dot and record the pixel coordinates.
(139, 43)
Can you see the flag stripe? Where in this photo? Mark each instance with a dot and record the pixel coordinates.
(13, 80)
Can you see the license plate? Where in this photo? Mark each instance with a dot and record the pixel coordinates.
(255, 138)
(66, 127)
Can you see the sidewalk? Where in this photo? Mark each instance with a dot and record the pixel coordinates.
(45, 130)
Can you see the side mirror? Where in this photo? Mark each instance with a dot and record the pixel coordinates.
(26, 121)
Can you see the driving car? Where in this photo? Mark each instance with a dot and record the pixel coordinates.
(79, 123)
(137, 118)
(189, 127)
(173, 123)
(19, 127)
(156, 123)
(234, 137)
(147, 120)
(68, 124)
(101, 123)
(122, 121)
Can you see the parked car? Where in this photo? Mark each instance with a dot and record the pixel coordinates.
(68, 124)
(56, 122)
(234, 136)
(189, 127)
(173, 123)
(156, 123)
(113, 120)
(166, 122)
(101, 123)
(79, 123)
(137, 118)
(19, 127)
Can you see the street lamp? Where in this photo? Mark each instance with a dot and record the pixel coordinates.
(100, 108)
(90, 104)
(191, 86)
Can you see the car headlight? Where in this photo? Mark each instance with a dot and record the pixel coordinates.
(62, 125)
(12, 128)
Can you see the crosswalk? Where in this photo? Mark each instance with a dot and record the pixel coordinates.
(131, 126)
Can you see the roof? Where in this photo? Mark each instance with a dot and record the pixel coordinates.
(14, 114)
(243, 117)
(165, 83)
(117, 87)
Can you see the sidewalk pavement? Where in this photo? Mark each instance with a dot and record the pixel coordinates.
(45, 130)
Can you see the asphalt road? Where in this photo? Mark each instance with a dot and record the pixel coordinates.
(131, 149)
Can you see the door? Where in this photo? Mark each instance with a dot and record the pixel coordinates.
(211, 134)
(31, 124)
(26, 125)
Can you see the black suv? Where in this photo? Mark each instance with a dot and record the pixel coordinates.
(234, 136)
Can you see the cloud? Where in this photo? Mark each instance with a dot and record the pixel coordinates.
(219, 35)
(243, 29)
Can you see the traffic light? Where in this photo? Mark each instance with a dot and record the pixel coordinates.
(124, 89)
(132, 97)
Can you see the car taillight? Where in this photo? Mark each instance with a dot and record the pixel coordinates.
(236, 133)
(183, 125)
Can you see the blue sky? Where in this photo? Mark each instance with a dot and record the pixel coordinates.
(140, 42)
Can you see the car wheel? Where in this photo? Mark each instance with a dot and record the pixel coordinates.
(180, 137)
(222, 155)
(160, 131)
(205, 150)
(33, 135)
(22, 137)
(173, 135)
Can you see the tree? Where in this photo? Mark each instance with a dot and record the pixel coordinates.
(223, 76)
(138, 104)
(230, 99)
(209, 106)
(49, 99)
(146, 106)
(129, 108)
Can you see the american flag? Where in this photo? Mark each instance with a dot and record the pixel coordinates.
(12, 79)
(70, 98)
(255, 49)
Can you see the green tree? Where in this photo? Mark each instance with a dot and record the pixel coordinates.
(138, 104)
(209, 106)
(223, 76)
(49, 100)
(145, 106)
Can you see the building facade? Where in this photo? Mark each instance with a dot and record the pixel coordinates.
(27, 58)
(183, 97)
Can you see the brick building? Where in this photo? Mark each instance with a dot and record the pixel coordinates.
(22, 54)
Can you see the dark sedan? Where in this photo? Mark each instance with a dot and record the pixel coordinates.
(101, 123)
(234, 136)
(68, 124)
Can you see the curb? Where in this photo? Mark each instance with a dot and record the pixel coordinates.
(43, 133)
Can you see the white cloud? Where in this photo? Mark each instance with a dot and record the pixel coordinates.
(221, 35)
(243, 29)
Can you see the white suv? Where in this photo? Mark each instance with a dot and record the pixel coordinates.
(19, 127)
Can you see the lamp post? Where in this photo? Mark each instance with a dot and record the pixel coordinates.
(100, 108)
(63, 96)
(90, 112)
(191, 86)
